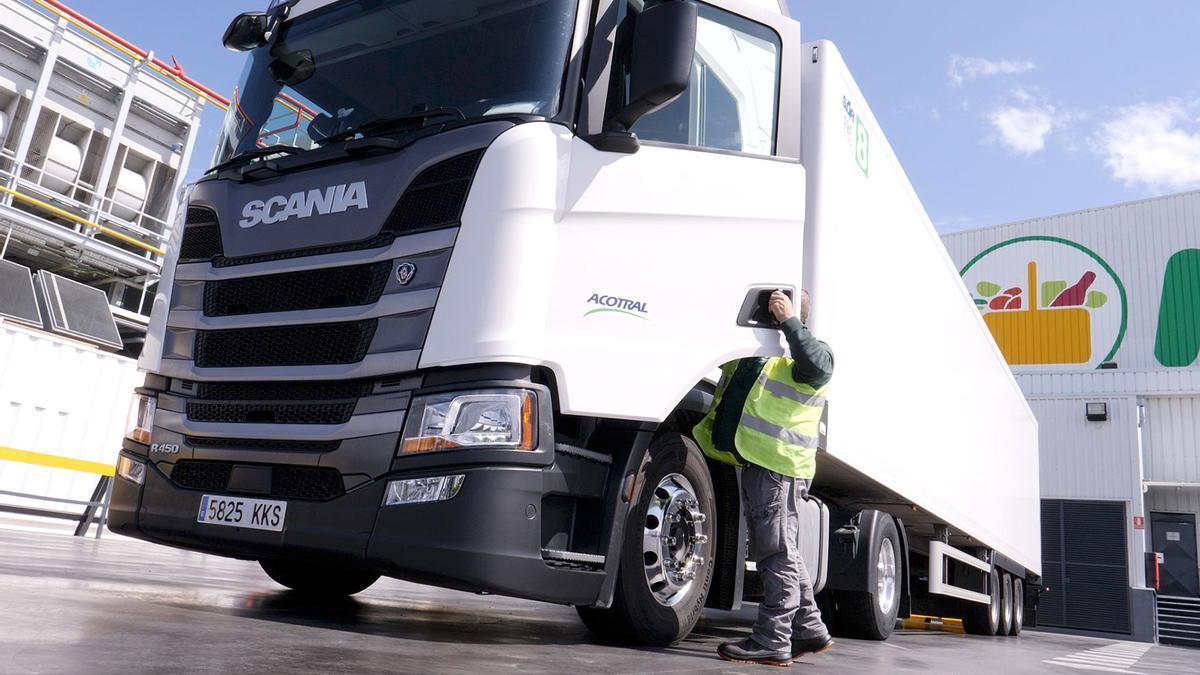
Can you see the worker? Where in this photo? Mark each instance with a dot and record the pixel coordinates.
(766, 418)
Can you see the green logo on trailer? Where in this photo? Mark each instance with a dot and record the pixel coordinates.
(857, 136)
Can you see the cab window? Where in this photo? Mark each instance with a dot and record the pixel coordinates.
(731, 102)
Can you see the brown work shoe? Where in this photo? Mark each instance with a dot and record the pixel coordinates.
(802, 647)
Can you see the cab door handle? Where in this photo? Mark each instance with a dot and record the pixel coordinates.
(755, 312)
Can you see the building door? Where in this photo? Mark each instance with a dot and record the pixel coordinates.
(1085, 566)
(1175, 538)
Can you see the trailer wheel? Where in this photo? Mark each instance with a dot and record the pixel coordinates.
(318, 580)
(984, 619)
(871, 614)
(1018, 616)
(666, 562)
(1006, 604)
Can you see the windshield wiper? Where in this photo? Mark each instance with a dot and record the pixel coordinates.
(243, 158)
(383, 124)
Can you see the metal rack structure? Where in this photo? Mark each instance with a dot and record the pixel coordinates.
(95, 139)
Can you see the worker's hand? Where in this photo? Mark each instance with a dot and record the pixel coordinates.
(781, 306)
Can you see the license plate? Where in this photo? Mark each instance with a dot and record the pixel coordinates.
(256, 514)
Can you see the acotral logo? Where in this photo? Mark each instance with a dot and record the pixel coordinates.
(333, 199)
(616, 305)
(1049, 300)
(405, 273)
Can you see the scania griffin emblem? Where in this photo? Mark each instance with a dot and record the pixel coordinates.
(405, 273)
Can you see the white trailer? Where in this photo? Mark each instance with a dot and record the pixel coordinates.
(460, 329)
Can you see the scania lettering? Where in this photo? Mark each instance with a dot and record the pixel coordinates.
(447, 387)
(333, 199)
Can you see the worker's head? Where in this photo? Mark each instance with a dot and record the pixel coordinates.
(804, 305)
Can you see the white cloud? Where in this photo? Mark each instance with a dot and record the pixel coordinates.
(1157, 144)
(966, 68)
(1023, 129)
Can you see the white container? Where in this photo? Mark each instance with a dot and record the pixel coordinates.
(922, 402)
(129, 197)
(63, 161)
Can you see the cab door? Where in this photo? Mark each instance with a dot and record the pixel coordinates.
(660, 250)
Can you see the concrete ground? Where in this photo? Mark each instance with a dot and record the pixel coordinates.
(72, 605)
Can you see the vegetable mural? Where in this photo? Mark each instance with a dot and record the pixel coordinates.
(1056, 330)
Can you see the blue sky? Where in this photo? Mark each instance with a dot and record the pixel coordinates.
(998, 111)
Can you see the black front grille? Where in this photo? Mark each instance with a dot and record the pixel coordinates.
(287, 482)
(313, 289)
(378, 241)
(436, 196)
(195, 475)
(283, 391)
(270, 413)
(261, 444)
(197, 215)
(201, 235)
(304, 482)
(310, 345)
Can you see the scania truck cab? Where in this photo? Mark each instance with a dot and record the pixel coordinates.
(449, 302)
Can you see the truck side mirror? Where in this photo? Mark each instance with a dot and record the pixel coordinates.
(247, 31)
(664, 45)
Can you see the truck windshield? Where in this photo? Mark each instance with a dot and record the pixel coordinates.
(361, 63)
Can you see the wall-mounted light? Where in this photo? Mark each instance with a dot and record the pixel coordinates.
(1096, 412)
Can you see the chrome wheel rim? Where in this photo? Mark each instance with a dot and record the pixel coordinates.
(1018, 604)
(885, 578)
(994, 605)
(1007, 600)
(674, 540)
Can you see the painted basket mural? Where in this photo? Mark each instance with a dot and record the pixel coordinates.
(1049, 301)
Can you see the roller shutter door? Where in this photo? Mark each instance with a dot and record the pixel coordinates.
(1084, 566)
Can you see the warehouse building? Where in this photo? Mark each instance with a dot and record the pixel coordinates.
(1098, 313)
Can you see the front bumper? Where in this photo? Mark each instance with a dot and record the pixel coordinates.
(487, 538)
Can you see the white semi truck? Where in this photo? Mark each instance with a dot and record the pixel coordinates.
(449, 303)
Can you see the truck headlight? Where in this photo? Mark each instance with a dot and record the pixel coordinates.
(495, 419)
(141, 418)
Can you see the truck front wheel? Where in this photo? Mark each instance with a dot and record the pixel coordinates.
(318, 580)
(666, 560)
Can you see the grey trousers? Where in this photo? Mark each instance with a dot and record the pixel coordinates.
(789, 607)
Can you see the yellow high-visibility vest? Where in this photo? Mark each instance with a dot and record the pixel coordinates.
(780, 423)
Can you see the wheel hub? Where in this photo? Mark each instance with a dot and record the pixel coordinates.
(885, 578)
(674, 539)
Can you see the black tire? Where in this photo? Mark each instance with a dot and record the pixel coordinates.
(870, 614)
(1006, 604)
(318, 580)
(1018, 595)
(984, 619)
(636, 615)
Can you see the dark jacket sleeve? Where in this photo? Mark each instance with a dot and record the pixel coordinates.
(813, 359)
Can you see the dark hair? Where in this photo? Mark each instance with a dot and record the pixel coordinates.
(804, 306)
